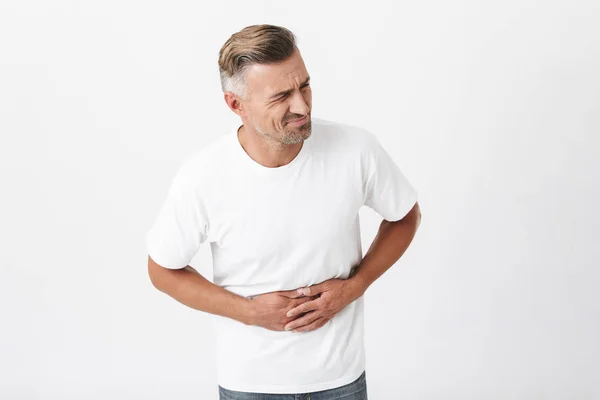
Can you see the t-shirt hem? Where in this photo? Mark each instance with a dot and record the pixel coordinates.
(294, 389)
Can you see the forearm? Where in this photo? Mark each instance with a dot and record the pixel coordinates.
(190, 288)
(390, 243)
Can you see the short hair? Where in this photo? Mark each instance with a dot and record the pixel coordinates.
(255, 44)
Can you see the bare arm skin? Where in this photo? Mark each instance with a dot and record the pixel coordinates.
(390, 243)
(190, 288)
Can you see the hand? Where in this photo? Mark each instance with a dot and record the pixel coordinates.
(269, 309)
(332, 296)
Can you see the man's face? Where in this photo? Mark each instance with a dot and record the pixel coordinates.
(279, 100)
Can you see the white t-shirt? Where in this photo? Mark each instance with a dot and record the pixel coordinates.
(282, 228)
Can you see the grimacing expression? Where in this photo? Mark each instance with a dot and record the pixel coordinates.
(278, 95)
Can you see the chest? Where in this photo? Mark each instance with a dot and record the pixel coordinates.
(256, 218)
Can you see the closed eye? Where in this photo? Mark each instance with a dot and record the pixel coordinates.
(283, 95)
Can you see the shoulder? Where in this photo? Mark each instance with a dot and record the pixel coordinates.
(348, 136)
(201, 165)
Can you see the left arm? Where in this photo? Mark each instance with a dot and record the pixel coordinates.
(390, 243)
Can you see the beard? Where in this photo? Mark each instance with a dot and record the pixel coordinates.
(291, 135)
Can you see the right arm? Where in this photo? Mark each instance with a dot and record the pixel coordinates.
(189, 287)
(176, 235)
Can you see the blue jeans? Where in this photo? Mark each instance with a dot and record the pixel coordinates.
(356, 390)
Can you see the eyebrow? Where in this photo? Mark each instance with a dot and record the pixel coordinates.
(286, 92)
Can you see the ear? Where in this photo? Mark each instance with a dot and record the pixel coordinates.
(234, 103)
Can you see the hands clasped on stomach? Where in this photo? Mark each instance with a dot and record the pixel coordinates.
(304, 309)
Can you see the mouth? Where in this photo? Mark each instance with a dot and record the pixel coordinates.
(298, 122)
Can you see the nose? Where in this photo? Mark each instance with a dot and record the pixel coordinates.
(298, 104)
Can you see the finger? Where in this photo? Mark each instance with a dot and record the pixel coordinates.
(292, 294)
(302, 300)
(317, 323)
(304, 307)
(313, 290)
(306, 319)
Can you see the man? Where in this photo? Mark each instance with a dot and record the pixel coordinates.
(278, 200)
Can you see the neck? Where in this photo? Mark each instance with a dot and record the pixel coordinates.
(266, 150)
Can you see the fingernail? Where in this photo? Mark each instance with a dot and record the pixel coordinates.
(289, 313)
(287, 328)
(301, 291)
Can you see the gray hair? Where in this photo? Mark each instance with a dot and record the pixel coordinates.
(255, 44)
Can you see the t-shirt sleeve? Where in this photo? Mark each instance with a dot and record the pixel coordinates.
(181, 225)
(387, 190)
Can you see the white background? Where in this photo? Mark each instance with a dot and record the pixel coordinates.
(491, 109)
